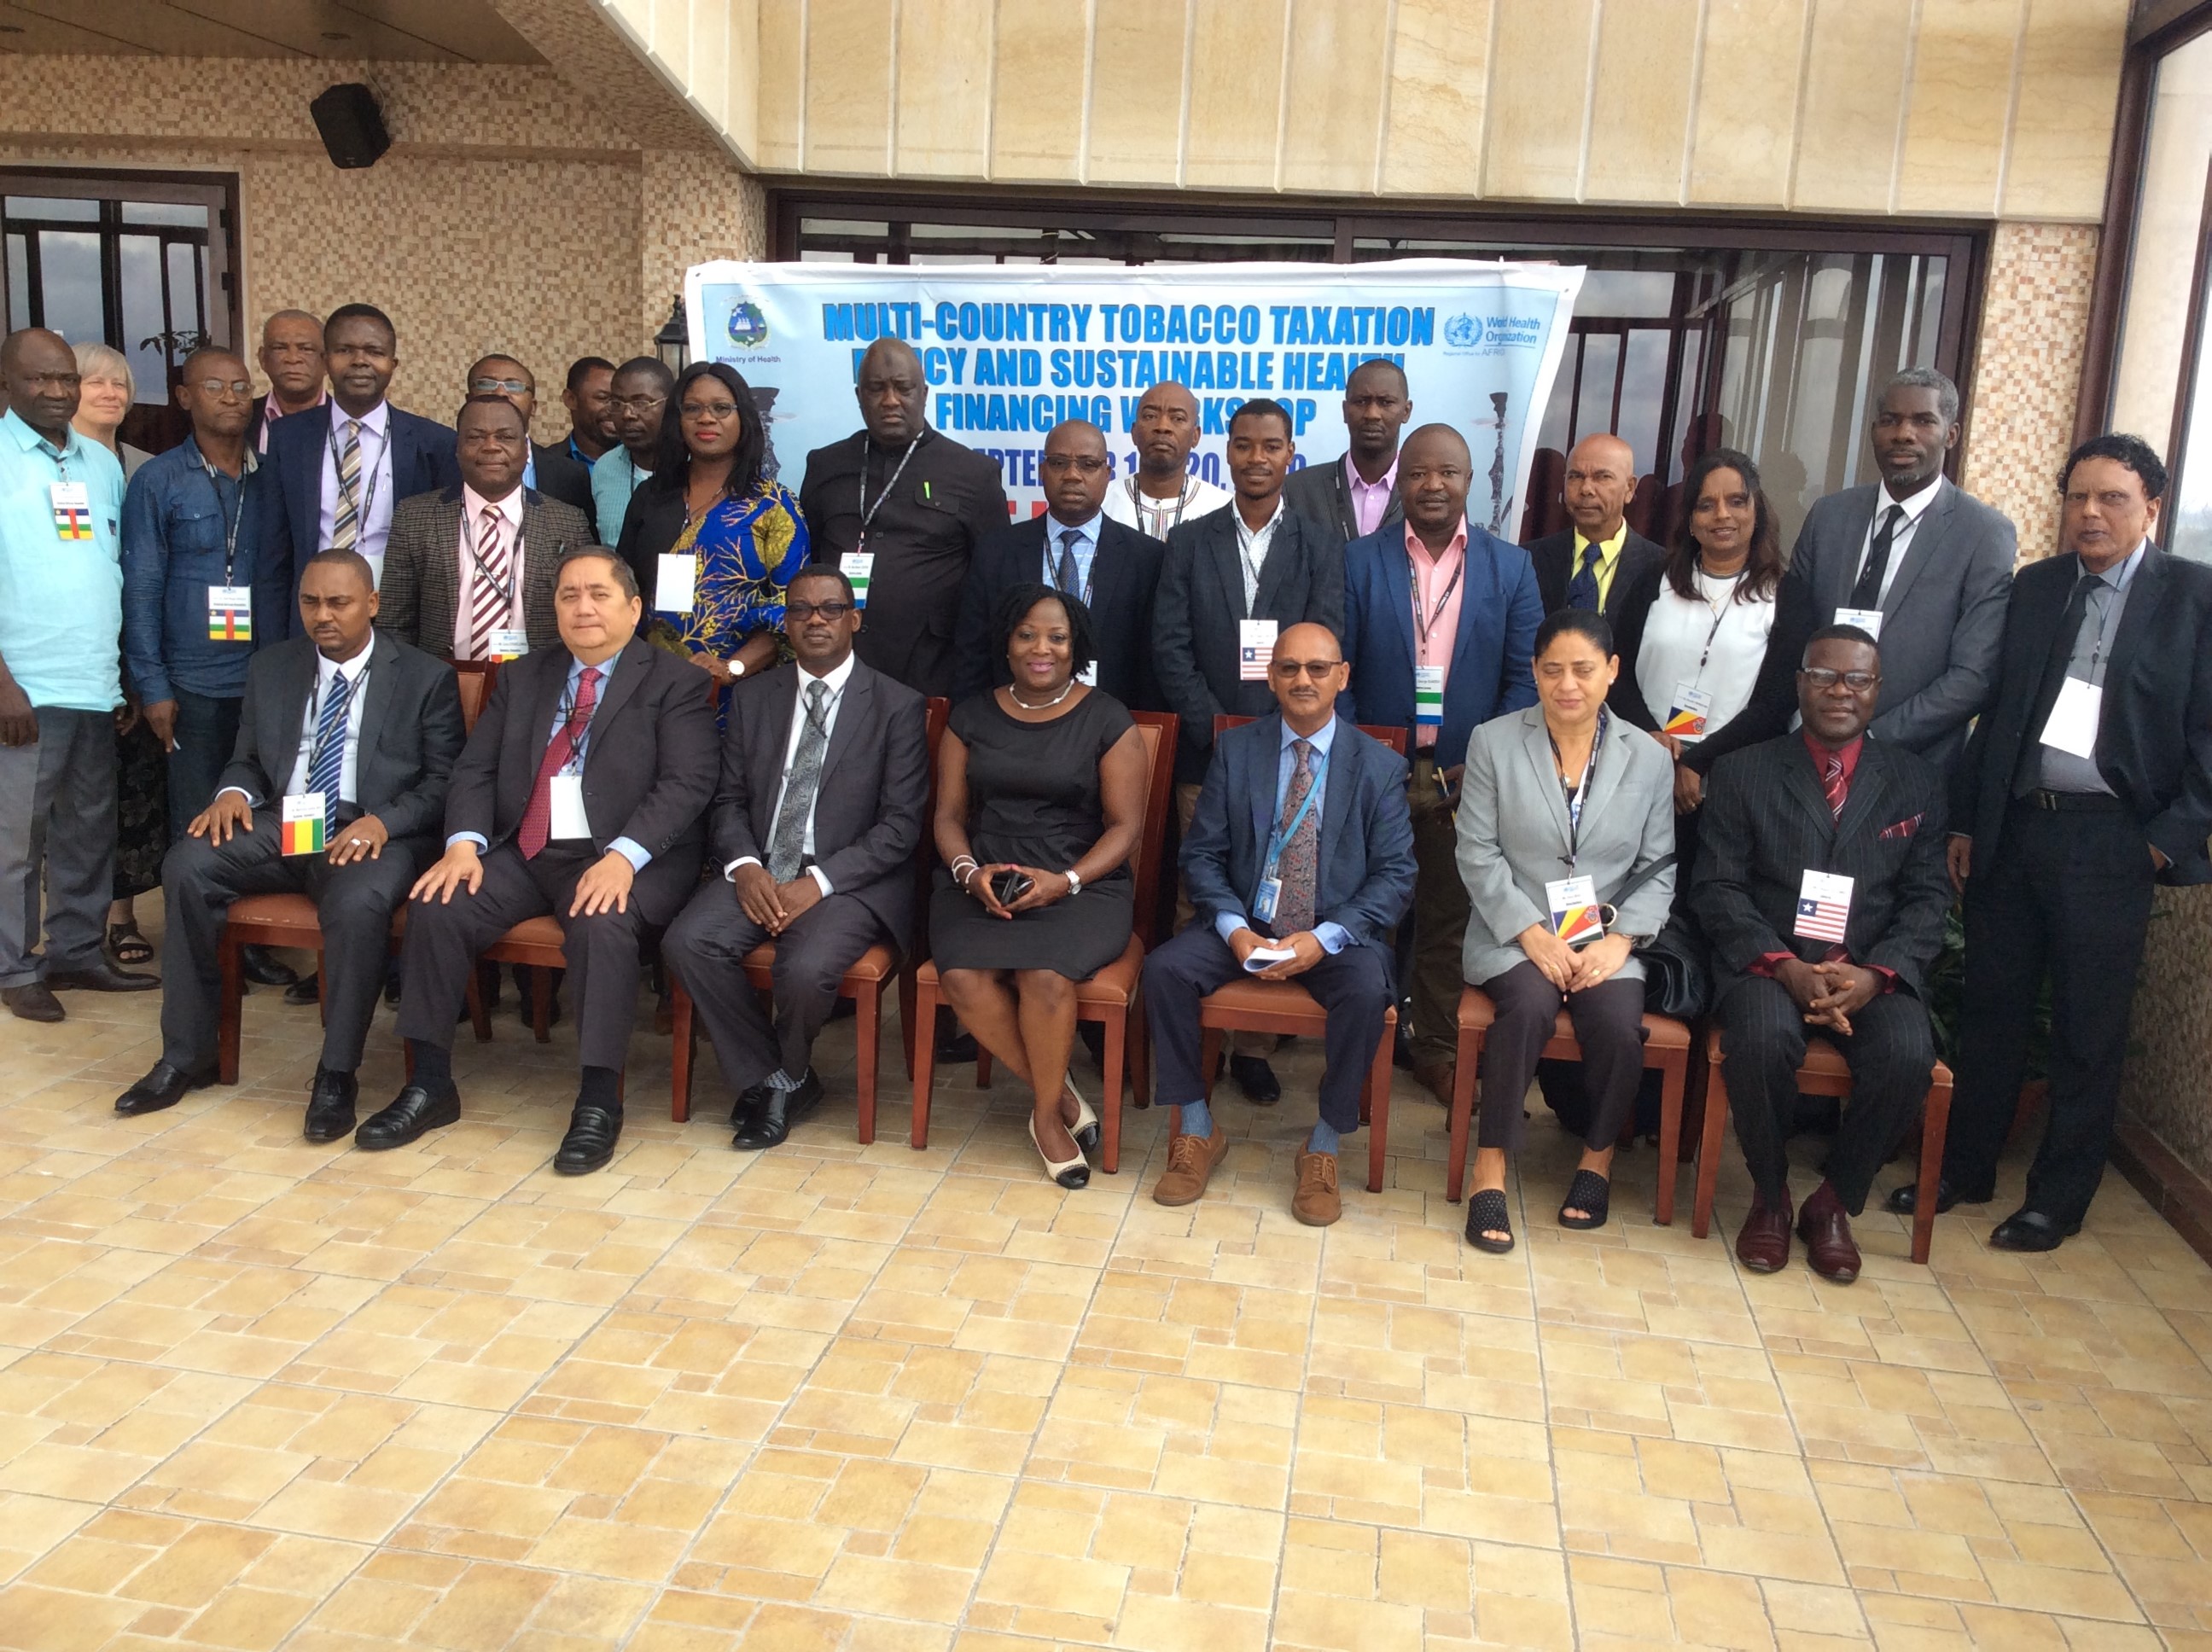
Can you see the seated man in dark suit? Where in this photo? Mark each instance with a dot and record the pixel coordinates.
(1301, 852)
(1821, 887)
(1592, 564)
(377, 760)
(583, 792)
(825, 776)
(1074, 548)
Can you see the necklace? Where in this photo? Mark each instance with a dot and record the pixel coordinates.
(1015, 694)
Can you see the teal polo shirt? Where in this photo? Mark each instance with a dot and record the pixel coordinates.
(61, 600)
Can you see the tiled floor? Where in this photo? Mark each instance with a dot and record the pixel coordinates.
(256, 1393)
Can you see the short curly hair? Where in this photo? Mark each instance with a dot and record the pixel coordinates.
(2133, 451)
(1014, 607)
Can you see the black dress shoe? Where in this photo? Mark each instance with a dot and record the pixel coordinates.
(163, 1087)
(1093, 1034)
(1256, 1079)
(590, 1143)
(1905, 1201)
(956, 1047)
(751, 1100)
(413, 1111)
(330, 1106)
(261, 966)
(99, 977)
(2026, 1229)
(33, 1003)
(308, 989)
(771, 1124)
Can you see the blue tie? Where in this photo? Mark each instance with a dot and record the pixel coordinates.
(1069, 580)
(326, 757)
(1581, 591)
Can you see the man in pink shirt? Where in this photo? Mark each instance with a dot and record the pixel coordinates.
(1359, 493)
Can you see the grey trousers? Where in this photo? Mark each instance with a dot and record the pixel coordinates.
(56, 816)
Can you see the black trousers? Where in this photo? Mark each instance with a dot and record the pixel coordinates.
(1353, 986)
(706, 946)
(354, 903)
(207, 729)
(2069, 896)
(601, 949)
(1891, 1051)
(1608, 1021)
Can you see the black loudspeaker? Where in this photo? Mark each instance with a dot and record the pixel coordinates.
(351, 124)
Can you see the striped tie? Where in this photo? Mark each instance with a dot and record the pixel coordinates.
(488, 597)
(346, 522)
(326, 757)
(1834, 785)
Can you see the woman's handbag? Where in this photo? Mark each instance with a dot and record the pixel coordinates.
(1676, 981)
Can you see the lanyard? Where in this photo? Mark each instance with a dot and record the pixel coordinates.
(1246, 538)
(230, 528)
(1139, 502)
(1720, 613)
(1280, 838)
(1581, 792)
(1089, 573)
(1413, 578)
(2113, 594)
(320, 744)
(504, 588)
(868, 511)
(565, 710)
(338, 473)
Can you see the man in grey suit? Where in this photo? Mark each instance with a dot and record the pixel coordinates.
(373, 726)
(826, 777)
(468, 567)
(1355, 495)
(1922, 567)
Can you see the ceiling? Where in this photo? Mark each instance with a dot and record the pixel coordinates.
(428, 31)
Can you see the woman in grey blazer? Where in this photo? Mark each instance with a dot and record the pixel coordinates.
(1561, 794)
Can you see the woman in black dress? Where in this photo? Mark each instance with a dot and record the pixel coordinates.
(1040, 795)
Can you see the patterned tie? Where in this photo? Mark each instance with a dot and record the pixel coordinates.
(538, 818)
(487, 593)
(345, 521)
(1581, 591)
(326, 757)
(1866, 594)
(1832, 782)
(1066, 574)
(786, 842)
(1300, 857)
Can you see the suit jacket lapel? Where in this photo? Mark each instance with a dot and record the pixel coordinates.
(1927, 540)
(2144, 591)
(297, 694)
(1843, 570)
(1804, 783)
(855, 718)
(1227, 562)
(1536, 743)
(383, 665)
(1339, 781)
(630, 672)
(1347, 517)
(1274, 572)
(1398, 587)
(1606, 772)
(443, 575)
(1869, 784)
(772, 723)
(1270, 757)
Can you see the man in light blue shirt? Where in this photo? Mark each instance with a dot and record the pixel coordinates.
(61, 614)
(642, 388)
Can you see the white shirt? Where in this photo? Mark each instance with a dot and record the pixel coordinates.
(1916, 506)
(1133, 508)
(510, 536)
(349, 766)
(1675, 639)
(1252, 546)
(375, 438)
(836, 679)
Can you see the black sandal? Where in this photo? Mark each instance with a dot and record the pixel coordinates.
(1487, 1212)
(125, 944)
(1588, 1190)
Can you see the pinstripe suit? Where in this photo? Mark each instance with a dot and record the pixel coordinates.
(423, 559)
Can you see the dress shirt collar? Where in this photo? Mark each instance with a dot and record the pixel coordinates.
(1822, 753)
(326, 668)
(1322, 738)
(198, 461)
(1054, 527)
(1246, 535)
(1608, 550)
(836, 676)
(606, 668)
(1361, 485)
(376, 422)
(31, 442)
(1435, 558)
(473, 503)
(2122, 574)
(1915, 504)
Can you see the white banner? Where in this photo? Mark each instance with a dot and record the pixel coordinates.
(1011, 350)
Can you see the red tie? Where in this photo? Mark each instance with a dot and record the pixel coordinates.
(1834, 783)
(538, 818)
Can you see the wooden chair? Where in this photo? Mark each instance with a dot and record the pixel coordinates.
(1113, 996)
(863, 983)
(1666, 1047)
(1825, 1073)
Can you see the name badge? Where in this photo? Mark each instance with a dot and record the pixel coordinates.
(1266, 900)
(1823, 906)
(1687, 715)
(72, 503)
(1429, 695)
(1575, 915)
(857, 565)
(2072, 725)
(1869, 620)
(507, 642)
(230, 613)
(1255, 649)
(674, 575)
(569, 817)
(305, 821)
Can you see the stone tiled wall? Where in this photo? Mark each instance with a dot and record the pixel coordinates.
(2168, 1085)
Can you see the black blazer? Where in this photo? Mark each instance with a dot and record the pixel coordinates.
(1125, 576)
(410, 734)
(869, 804)
(1554, 556)
(1766, 822)
(419, 592)
(1201, 598)
(1773, 698)
(2154, 733)
(562, 477)
(1320, 492)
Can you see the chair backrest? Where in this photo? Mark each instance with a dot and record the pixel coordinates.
(475, 678)
(1158, 730)
(1393, 737)
(936, 713)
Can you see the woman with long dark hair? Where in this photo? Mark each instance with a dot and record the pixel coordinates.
(712, 540)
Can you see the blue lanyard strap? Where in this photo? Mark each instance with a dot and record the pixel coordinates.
(1576, 798)
(1280, 838)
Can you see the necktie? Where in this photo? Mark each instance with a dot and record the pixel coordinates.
(1300, 857)
(345, 520)
(538, 818)
(326, 757)
(1069, 580)
(488, 597)
(1866, 594)
(1581, 591)
(1838, 790)
(786, 842)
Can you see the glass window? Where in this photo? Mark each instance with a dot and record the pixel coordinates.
(2162, 261)
(54, 208)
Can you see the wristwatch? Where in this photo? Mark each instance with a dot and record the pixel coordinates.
(1074, 883)
(736, 667)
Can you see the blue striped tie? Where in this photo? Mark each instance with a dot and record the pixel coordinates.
(326, 757)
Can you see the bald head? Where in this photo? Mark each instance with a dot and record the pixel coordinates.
(1165, 431)
(1601, 480)
(291, 354)
(893, 394)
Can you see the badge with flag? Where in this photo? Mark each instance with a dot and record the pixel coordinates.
(1576, 915)
(1823, 906)
(72, 503)
(304, 824)
(230, 613)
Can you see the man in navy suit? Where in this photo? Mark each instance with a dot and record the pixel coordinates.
(336, 471)
(1459, 661)
(1299, 859)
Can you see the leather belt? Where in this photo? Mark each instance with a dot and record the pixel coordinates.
(2077, 803)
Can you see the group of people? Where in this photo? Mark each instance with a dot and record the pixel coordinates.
(706, 730)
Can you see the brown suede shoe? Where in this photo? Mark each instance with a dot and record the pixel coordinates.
(1825, 1228)
(1437, 1078)
(1763, 1245)
(1317, 1203)
(1191, 1160)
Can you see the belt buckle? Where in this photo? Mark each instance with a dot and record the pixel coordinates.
(2046, 799)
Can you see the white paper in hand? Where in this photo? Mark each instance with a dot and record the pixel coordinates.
(1266, 957)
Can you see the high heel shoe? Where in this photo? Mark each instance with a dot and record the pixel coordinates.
(1068, 1173)
(1085, 1127)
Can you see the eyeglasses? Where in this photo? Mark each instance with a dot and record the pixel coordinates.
(709, 410)
(1291, 670)
(218, 389)
(1821, 678)
(1088, 463)
(804, 611)
(494, 386)
(636, 404)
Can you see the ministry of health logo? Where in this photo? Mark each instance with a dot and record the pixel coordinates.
(748, 327)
